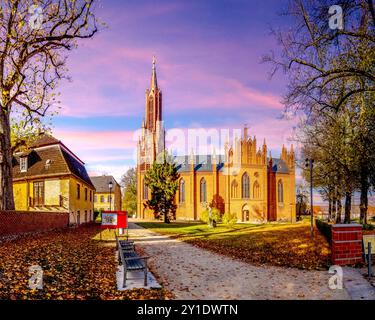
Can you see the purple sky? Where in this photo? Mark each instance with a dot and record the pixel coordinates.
(208, 65)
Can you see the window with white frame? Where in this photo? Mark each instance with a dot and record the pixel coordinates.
(23, 164)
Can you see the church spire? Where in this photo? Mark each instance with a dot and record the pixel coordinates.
(154, 80)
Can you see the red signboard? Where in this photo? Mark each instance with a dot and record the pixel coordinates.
(114, 219)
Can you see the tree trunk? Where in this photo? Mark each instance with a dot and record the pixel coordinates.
(348, 206)
(6, 167)
(329, 208)
(339, 209)
(364, 200)
(166, 217)
(334, 207)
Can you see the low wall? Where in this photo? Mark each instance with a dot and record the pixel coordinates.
(346, 244)
(19, 222)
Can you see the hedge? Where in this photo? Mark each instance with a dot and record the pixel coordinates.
(324, 228)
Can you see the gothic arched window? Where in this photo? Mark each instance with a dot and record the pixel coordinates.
(234, 188)
(245, 186)
(151, 114)
(145, 191)
(280, 192)
(203, 191)
(256, 190)
(182, 191)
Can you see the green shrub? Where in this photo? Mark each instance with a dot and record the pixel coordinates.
(368, 227)
(215, 215)
(229, 218)
(98, 219)
(324, 228)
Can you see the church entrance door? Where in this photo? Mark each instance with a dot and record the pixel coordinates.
(245, 213)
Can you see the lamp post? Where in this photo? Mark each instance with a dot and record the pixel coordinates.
(110, 186)
(299, 204)
(309, 163)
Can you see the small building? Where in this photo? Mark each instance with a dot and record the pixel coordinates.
(106, 199)
(50, 177)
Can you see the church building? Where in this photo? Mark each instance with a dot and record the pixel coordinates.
(245, 181)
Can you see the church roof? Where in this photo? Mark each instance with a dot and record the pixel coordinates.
(279, 166)
(202, 163)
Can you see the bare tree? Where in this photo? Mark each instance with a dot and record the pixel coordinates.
(34, 38)
(318, 59)
(332, 82)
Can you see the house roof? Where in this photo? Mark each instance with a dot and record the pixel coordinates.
(101, 183)
(45, 140)
(76, 167)
(53, 159)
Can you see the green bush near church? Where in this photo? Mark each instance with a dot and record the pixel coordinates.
(229, 218)
(204, 217)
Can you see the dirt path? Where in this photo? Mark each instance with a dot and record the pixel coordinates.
(193, 273)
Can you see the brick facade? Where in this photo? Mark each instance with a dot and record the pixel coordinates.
(18, 222)
(346, 244)
(271, 194)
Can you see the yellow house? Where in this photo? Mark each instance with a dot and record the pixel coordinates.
(106, 199)
(50, 177)
(244, 181)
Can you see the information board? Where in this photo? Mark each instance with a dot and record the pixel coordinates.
(369, 238)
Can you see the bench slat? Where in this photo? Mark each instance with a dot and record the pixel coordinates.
(130, 260)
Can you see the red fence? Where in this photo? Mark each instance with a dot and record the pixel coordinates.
(19, 222)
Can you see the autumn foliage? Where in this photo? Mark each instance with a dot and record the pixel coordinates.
(75, 267)
(286, 245)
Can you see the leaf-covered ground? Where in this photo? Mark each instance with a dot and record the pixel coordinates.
(75, 266)
(287, 245)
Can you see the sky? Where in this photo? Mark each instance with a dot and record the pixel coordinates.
(208, 66)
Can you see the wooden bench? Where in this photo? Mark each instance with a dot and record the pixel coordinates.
(126, 244)
(130, 260)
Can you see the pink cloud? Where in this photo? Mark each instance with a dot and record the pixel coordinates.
(96, 140)
(125, 71)
(276, 132)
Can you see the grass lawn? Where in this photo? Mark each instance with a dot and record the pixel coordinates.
(75, 266)
(282, 244)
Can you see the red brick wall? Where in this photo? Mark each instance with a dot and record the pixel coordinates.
(271, 195)
(346, 244)
(18, 222)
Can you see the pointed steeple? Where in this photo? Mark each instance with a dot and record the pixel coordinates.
(213, 158)
(245, 132)
(154, 80)
(191, 157)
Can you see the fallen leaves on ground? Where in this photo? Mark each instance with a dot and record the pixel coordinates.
(287, 248)
(287, 245)
(74, 267)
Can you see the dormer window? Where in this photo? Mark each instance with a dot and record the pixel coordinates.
(48, 163)
(23, 164)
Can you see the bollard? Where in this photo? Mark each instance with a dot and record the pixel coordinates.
(369, 260)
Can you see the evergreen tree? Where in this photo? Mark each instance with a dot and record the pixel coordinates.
(162, 180)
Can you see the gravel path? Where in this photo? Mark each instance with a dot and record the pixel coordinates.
(193, 273)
